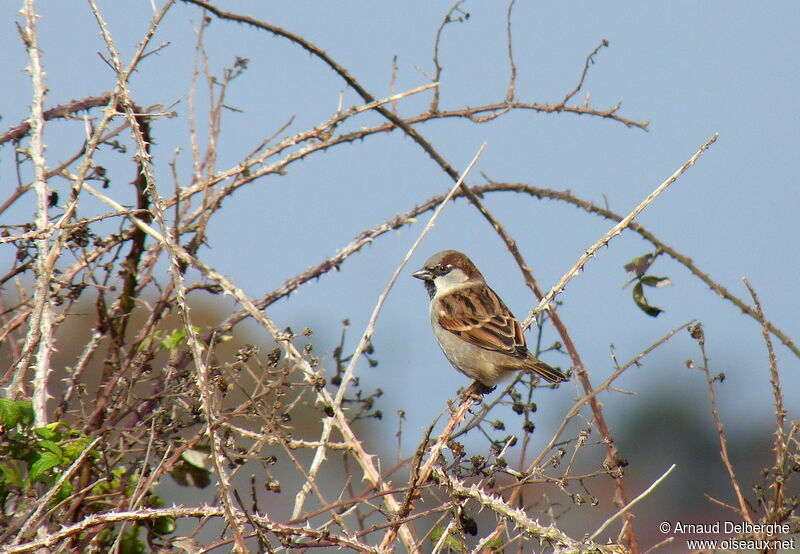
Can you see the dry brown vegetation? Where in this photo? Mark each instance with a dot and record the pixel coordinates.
(152, 386)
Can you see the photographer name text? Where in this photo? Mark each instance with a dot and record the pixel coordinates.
(728, 527)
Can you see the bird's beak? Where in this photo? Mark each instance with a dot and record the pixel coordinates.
(423, 274)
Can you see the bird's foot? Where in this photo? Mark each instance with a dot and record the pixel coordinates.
(477, 391)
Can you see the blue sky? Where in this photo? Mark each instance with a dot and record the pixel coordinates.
(691, 68)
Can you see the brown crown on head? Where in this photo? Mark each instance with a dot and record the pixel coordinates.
(454, 258)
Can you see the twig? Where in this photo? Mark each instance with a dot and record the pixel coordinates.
(720, 503)
(551, 533)
(698, 334)
(373, 318)
(612, 454)
(365, 460)
(512, 79)
(175, 266)
(412, 133)
(63, 110)
(434, 107)
(324, 538)
(576, 407)
(402, 124)
(587, 64)
(467, 400)
(244, 172)
(393, 99)
(566, 196)
(40, 325)
(442, 542)
(659, 545)
(616, 230)
(368, 236)
(630, 505)
(123, 211)
(780, 410)
(544, 303)
(48, 261)
(32, 235)
(365, 337)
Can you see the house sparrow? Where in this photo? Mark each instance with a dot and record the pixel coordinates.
(474, 328)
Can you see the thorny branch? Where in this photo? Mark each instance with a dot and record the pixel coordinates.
(169, 398)
(698, 334)
(427, 147)
(40, 337)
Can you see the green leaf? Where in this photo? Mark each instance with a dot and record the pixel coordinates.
(63, 493)
(51, 447)
(496, 544)
(451, 542)
(75, 448)
(10, 413)
(28, 417)
(19, 446)
(13, 412)
(641, 301)
(149, 340)
(43, 463)
(194, 469)
(164, 525)
(652, 311)
(653, 281)
(468, 524)
(11, 475)
(198, 457)
(174, 339)
(50, 432)
(187, 475)
(638, 266)
(130, 543)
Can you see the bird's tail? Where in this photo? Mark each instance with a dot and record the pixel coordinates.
(548, 373)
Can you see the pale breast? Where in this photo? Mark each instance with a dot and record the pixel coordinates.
(476, 363)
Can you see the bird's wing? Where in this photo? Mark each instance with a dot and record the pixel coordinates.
(478, 316)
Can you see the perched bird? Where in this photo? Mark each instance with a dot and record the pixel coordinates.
(474, 328)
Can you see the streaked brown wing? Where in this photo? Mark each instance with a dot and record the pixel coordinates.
(478, 316)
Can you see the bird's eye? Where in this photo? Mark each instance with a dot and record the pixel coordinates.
(442, 269)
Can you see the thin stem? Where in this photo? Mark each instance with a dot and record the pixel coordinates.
(613, 232)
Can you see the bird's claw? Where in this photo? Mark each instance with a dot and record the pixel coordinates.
(478, 390)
